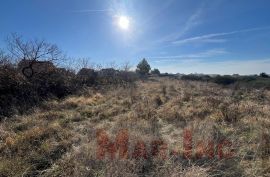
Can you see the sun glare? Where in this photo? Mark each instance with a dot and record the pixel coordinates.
(123, 22)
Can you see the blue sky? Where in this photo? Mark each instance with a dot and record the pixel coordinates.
(185, 36)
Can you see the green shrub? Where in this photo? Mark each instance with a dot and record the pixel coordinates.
(143, 67)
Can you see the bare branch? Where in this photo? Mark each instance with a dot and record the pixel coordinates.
(33, 49)
(126, 66)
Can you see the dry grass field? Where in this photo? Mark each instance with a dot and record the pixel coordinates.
(59, 137)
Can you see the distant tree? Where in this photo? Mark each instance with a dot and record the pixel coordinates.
(32, 52)
(155, 71)
(33, 49)
(143, 67)
(264, 75)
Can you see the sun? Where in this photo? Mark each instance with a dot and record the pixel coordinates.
(123, 22)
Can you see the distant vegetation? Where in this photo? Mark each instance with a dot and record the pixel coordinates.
(252, 81)
(155, 71)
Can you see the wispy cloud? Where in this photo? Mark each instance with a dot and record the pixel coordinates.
(192, 21)
(213, 38)
(200, 55)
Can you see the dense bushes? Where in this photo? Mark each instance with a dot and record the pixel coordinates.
(127, 76)
(224, 80)
(36, 78)
(264, 75)
(251, 81)
(57, 83)
(87, 76)
(113, 76)
(257, 83)
(196, 77)
(15, 90)
(18, 92)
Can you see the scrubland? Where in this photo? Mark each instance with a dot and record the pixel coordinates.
(58, 138)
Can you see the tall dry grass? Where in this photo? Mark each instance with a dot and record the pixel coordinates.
(59, 138)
